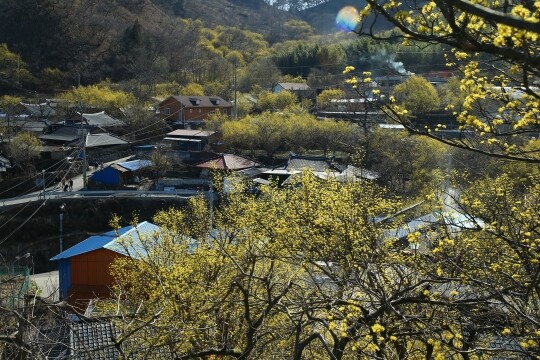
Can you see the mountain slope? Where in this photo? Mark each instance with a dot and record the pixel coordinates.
(323, 17)
(254, 15)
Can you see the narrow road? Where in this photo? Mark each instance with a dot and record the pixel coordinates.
(77, 186)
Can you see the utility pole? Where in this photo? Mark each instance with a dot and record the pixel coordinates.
(61, 240)
(83, 149)
(235, 98)
(18, 70)
(44, 189)
(9, 129)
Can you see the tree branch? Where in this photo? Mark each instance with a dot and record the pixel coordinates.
(495, 16)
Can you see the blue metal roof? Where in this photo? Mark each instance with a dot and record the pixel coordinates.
(111, 241)
(135, 164)
(131, 244)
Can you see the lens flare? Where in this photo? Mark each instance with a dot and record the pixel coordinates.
(347, 18)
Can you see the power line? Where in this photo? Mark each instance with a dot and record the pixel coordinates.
(23, 223)
(14, 216)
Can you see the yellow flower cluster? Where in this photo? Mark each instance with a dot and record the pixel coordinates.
(348, 69)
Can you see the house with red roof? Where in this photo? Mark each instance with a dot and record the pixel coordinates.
(229, 162)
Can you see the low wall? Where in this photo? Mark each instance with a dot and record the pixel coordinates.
(40, 235)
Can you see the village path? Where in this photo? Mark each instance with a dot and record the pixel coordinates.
(77, 186)
(48, 284)
(78, 179)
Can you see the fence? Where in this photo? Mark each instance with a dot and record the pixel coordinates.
(14, 285)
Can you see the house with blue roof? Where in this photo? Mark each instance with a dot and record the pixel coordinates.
(120, 174)
(84, 269)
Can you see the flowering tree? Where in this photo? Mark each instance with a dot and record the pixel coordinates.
(489, 268)
(24, 149)
(494, 46)
(315, 271)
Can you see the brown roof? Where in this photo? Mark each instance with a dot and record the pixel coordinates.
(201, 101)
(229, 162)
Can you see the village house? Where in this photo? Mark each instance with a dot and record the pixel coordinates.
(99, 119)
(192, 140)
(301, 90)
(22, 123)
(25, 117)
(321, 166)
(191, 111)
(228, 162)
(84, 269)
(41, 111)
(59, 140)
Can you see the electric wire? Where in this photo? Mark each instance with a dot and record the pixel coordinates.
(14, 216)
(23, 223)
(33, 177)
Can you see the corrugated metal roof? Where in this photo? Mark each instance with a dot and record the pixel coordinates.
(110, 240)
(190, 132)
(182, 139)
(101, 119)
(134, 165)
(130, 243)
(118, 168)
(103, 139)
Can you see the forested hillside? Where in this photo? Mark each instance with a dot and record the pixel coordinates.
(95, 39)
(50, 47)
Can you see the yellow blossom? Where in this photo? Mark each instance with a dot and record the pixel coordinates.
(348, 69)
(377, 328)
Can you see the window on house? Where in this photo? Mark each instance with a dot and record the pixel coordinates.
(190, 111)
(199, 110)
(194, 101)
(167, 111)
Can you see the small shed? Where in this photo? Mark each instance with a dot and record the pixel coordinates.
(84, 268)
(121, 174)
